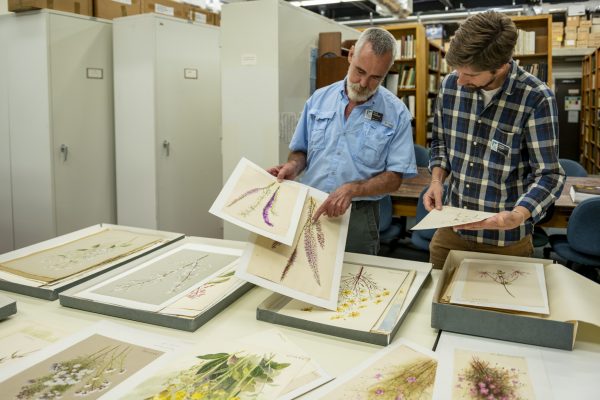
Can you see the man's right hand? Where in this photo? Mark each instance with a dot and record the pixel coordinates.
(433, 197)
(288, 170)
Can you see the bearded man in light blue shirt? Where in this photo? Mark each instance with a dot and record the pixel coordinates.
(354, 141)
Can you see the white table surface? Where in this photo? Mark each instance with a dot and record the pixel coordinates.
(335, 355)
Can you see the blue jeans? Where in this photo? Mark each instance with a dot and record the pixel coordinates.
(363, 229)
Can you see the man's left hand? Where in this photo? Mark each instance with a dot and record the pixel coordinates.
(337, 203)
(504, 220)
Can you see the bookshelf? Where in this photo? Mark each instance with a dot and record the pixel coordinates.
(589, 135)
(419, 69)
(536, 45)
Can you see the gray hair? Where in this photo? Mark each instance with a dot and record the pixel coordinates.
(382, 42)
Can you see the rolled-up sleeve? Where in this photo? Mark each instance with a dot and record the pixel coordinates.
(439, 156)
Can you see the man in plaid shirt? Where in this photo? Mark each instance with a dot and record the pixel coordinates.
(495, 136)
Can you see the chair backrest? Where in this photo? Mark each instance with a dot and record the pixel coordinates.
(421, 156)
(583, 233)
(572, 168)
(385, 212)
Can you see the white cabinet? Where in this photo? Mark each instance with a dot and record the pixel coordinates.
(57, 113)
(167, 124)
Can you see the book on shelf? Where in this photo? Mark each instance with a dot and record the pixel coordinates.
(407, 78)
(405, 46)
(391, 83)
(525, 43)
(580, 193)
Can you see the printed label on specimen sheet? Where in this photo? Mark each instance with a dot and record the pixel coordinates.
(160, 280)
(87, 369)
(451, 216)
(228, 370)
(309, 264)
(254, 200)
(79, 255)
(501, 284)
(364, 295)
(400, 372)
(199, 299)
(479, 375)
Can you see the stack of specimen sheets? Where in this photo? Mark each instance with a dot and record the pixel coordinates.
(47, 268)
(502, 285)
(401, 371)
(180, 286)
(263, 366)
(290, 254)
(525, 300)
(374, 296)
(100, 361)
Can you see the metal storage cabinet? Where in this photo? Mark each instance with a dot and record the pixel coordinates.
(167, 123)
(57, 68)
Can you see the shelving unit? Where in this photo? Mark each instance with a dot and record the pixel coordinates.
(589, 136)
(542, 26)
(425, 88)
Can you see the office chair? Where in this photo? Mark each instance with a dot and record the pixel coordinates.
(580, 247)
(421, 156)
(389, 230)
(572, 168)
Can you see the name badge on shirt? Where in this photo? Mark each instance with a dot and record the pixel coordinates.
(500, 147)
(373, 115)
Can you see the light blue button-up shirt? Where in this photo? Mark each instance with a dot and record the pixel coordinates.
(341, 151)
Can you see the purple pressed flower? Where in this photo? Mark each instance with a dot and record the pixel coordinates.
(481, 384)
(411, 379)
(378, 376)
(379, 392)
(247, 193)
(320, 234)
(484, 390)
(289, 263)
(269, 207)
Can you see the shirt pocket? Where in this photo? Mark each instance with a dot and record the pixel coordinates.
(374, 141)
(320, 122)
(504, 153)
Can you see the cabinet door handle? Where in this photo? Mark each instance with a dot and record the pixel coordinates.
(64, 149)
(167, 147)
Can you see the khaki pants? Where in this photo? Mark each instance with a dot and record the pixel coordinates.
(445, 239)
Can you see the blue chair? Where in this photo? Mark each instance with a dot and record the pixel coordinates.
(580, 247)
(572, 168)
(421, 156)
(389, 230)
(421, 239)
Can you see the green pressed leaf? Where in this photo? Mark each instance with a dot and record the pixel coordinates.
(212, 356)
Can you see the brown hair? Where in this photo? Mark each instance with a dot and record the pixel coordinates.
(483, 42)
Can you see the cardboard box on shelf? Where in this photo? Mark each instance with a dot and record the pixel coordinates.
(583, 36)
(569, 42)
(583, 29)
(595, 20)
(570, 29)
(585, 22)
(199, 15)
(573, 20)
(581, 43)
(570, 36)
(109, 9)
(164, 7)
(558, 25)
(82, 7)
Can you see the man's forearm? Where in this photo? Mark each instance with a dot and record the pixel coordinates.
(438, 175)
(385, 182)
(299, 159)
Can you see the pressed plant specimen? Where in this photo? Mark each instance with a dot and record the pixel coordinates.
(85, 375)
(480, 380)
(503, 278)
(223, 376)
(183, 272)
(312, 237)
(404, 382)
(201, 291)
(268, 193)
(79, 256)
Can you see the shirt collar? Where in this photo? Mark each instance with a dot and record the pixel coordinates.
(509, 83)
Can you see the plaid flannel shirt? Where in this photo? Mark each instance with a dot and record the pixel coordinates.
(501, 155)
